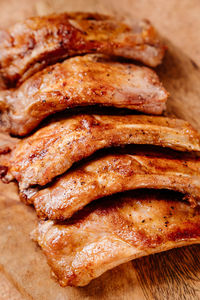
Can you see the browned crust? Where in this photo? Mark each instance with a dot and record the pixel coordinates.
(80, 81)
(34, 43)
(112, 232)
(112, 174)
(53, 149)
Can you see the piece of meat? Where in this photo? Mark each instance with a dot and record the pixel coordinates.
(116, 173)
(80, 81)
(30, 45)
(114, 231)
(53, 149)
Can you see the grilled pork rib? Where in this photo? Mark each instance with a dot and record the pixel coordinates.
(80, 81)
(116, 173)
(30, 45)
(114, 231)
(53, 149)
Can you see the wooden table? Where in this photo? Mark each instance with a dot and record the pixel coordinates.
(179, 21)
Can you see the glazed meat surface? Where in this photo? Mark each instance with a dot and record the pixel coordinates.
(116, 173)
(115, 231)
(53, 149)
(80, 81)
(30, 45)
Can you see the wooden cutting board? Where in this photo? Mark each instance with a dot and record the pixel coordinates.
(171, 275)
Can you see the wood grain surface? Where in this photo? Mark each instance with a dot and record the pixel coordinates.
(171, 275)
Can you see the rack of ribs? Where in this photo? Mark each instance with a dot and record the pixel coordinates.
(116, 230)
(80, 81)
(52, 150)
(30, 45)
(113, 174)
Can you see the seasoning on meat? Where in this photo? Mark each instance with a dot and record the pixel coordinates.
(30, 45)
(52, 150)
(114, 231)
(80, 81)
